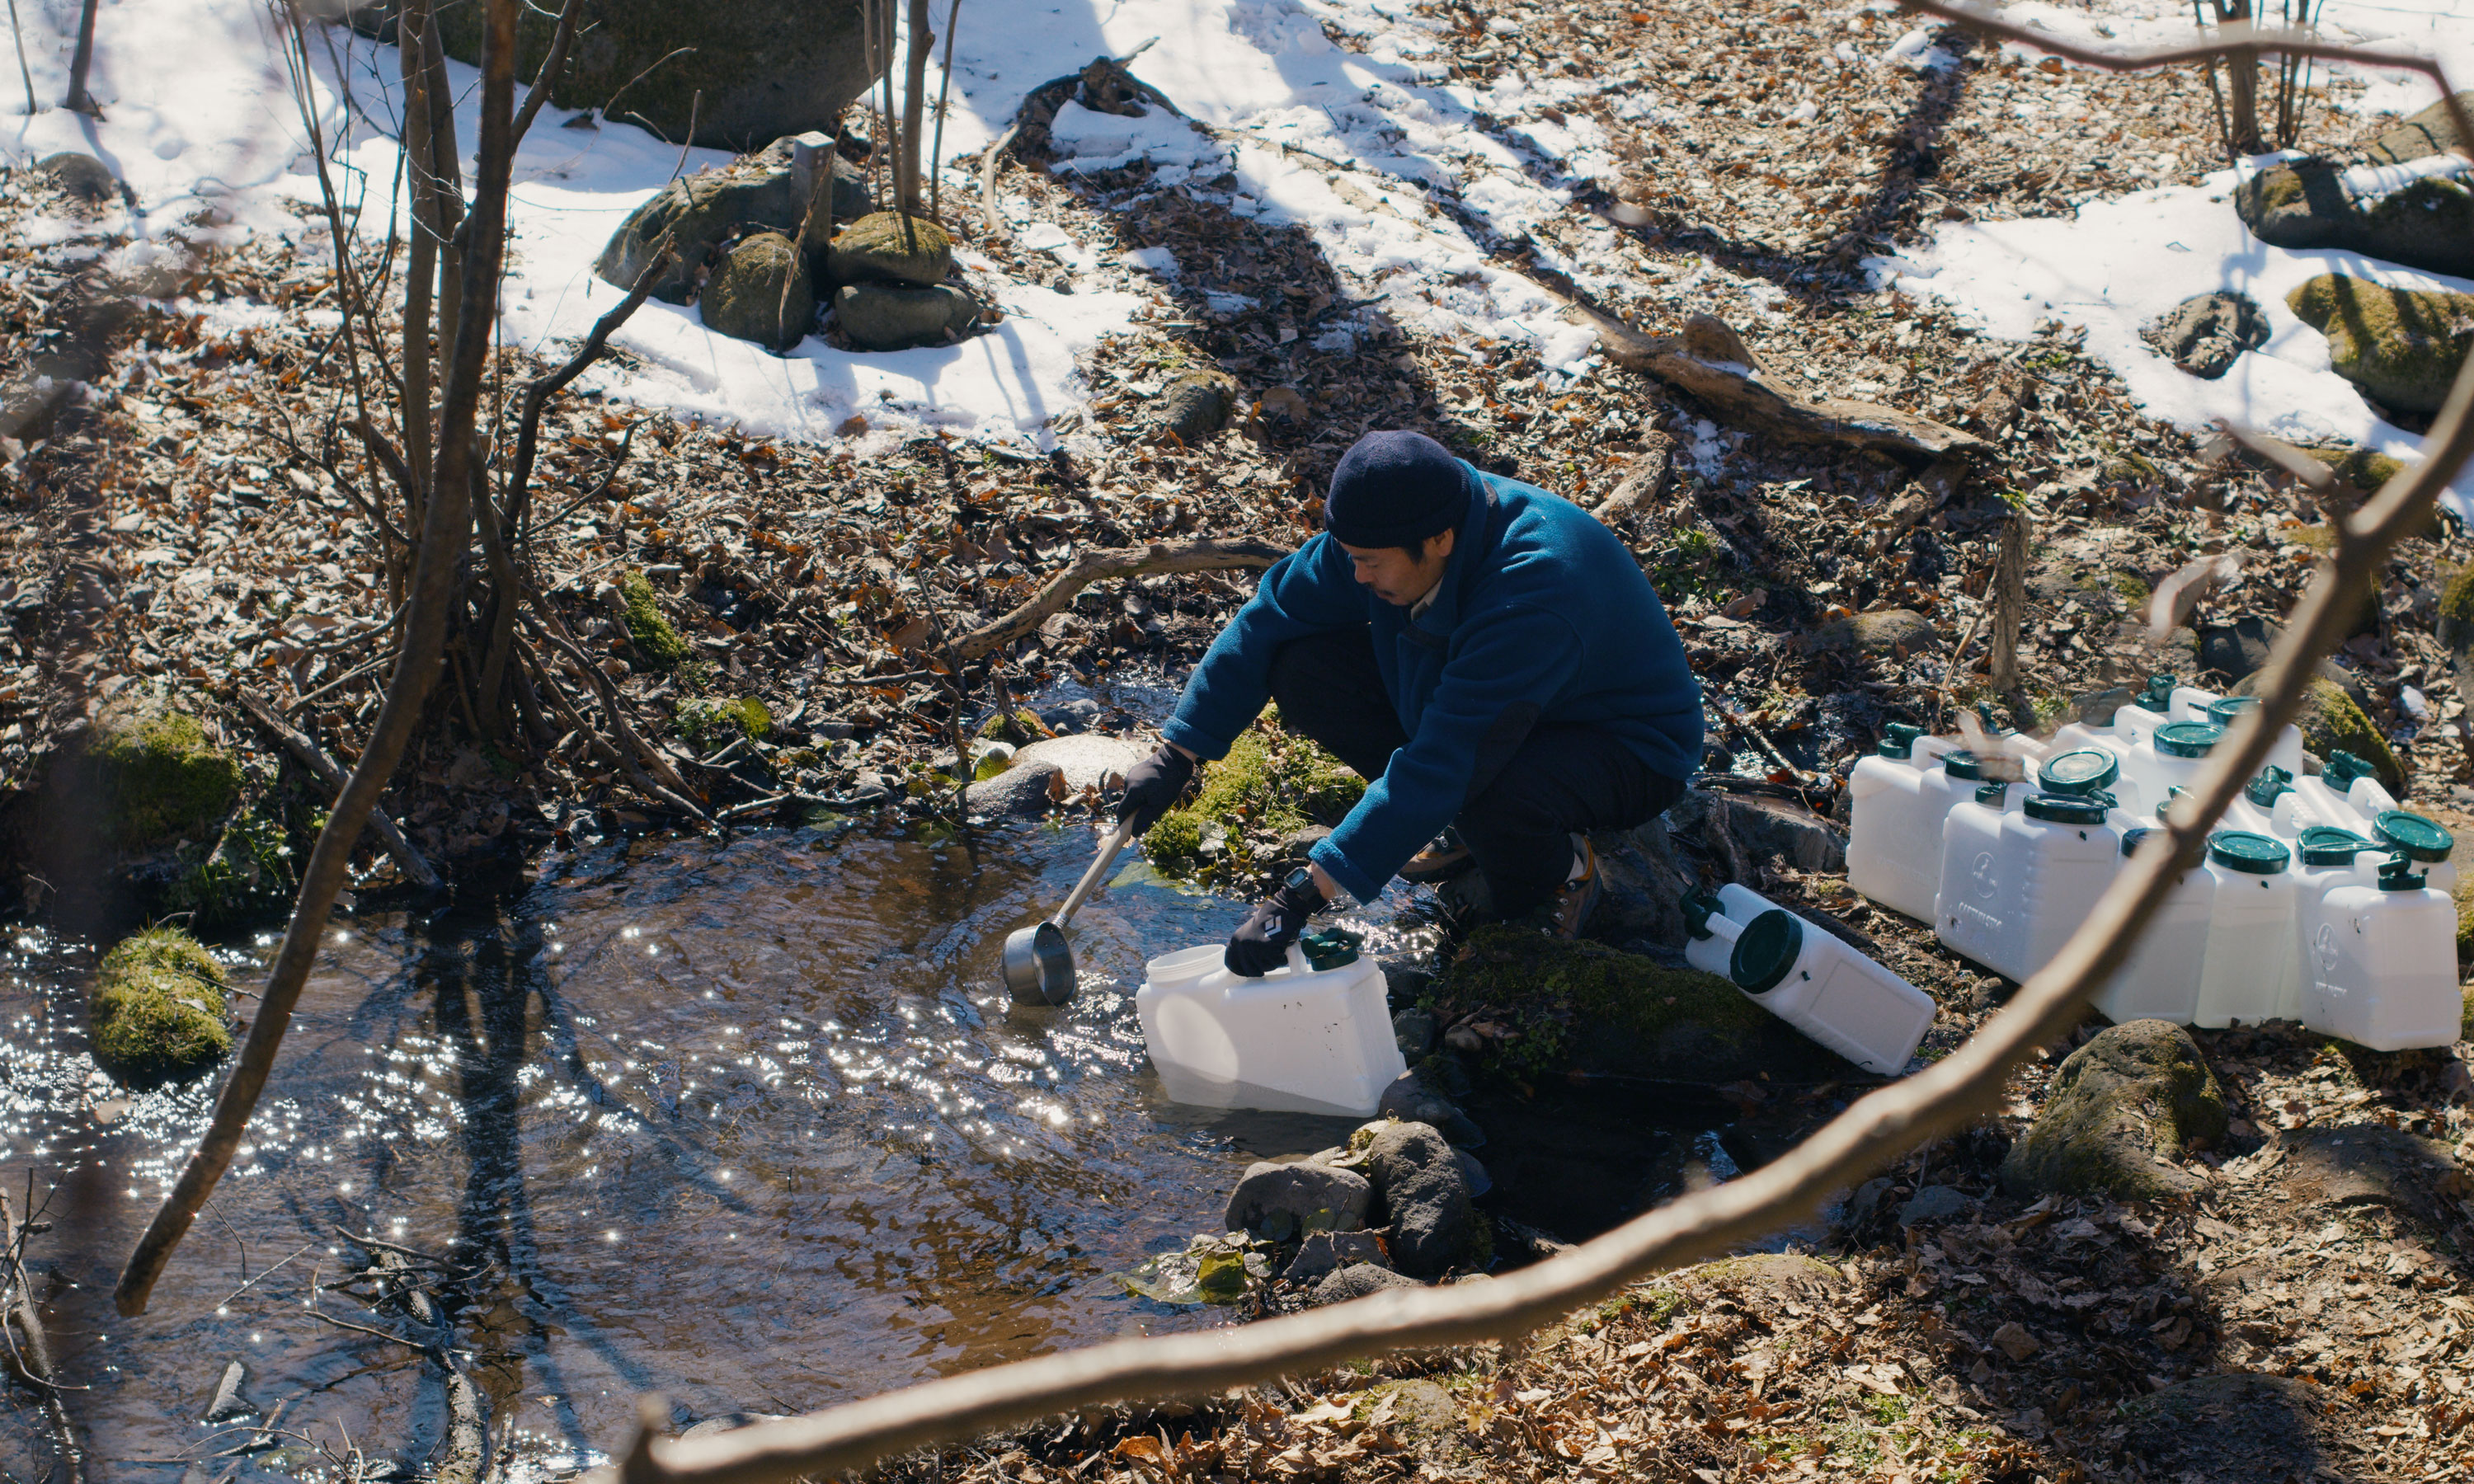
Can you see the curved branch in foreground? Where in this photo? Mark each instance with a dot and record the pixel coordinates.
(1880, 1127)
(1113, 561)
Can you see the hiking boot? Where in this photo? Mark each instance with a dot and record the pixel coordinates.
(1570, 908)
(1442, 859)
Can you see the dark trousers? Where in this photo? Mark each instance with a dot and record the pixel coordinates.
(1529, 794)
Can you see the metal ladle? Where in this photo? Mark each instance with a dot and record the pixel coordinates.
(1038, 960)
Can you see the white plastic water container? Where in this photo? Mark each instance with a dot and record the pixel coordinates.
(1297, 1040)
(2159, 980)
(1896, 806)
(1896, 800)
(2252, 971)
(1798, 972)
(2286, 751)
(2379, 954)
(2017, 881)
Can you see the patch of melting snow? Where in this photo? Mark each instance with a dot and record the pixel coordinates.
(2114, 266)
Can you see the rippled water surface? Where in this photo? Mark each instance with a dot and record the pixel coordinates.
(748, 1124)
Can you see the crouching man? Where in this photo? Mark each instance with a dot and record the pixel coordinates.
(1487, 655)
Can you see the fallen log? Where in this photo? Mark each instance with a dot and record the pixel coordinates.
(1112, 561)
(313, 757)
(1710, 362)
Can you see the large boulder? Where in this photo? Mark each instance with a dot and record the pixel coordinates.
(1357, 1281)
(1426, 1200)
(1284, 1202)
(2119, 1110)
(1196, 404)
(2401, 347)
(771, 190)
(745, 72)
(159, 772)
(2421, 222)
(881, 316)
(760, 294)
(1543, 1005)
(2420, 135)
(2205, 334)
(886, 247)
(2332, 722)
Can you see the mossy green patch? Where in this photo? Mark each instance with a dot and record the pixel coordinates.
(160, 773)
(2454, 624)
(1587, 1007)
(2465, 1023)
(1017, 728)
(704, 722)
(2331, 720)
(158, 1006)
(2360, 467)
(652, 633)
(2118, 1114)
(2401, 347)
(1271, 784)
(247, 874)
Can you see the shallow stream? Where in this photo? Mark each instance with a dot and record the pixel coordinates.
(749, 1124)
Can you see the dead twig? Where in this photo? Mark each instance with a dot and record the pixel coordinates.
(313, 757)
(1112, 561)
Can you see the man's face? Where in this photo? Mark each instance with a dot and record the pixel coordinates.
(1397, 577)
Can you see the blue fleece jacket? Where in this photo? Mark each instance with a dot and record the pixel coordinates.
(1542, 618)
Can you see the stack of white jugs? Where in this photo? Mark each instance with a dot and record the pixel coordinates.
(2318, 899)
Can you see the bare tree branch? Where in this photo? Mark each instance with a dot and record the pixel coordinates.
(1112, 561)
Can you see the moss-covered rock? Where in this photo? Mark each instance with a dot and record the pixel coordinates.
(159, 1010)
(159, 774)
(2331, 722)
(654, 635)
(1545, 1005)
(2401, 347)
(705, 722)
(2465, 1026)
(1270, 786)
(1196, 404)
(695, 213)
(2421, 135)
(2454, 623)
(247, 874)
(760, 294)
(2118, 1110)
(888, 317)
(1018, 727)
(886, 247)
(748, 72)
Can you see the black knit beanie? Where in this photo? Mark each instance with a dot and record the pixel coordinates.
(1396, 488)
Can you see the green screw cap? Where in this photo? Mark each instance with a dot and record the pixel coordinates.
(1330, 948)
(1960, 763)
(2326, 845)
(2188, 739)
(1700, 904)
(2131, 837)
(2067, 808)
(1899, 740)
(2159, 693)
(1766, 950)
(2222, 712)
(2420, 838)
(2342, 769)
(2397, 874)
(2082, 772)
(2239, 849)
(1993, 796)
(2262, 789)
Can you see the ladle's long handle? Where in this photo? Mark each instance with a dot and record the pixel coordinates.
(1091, 877)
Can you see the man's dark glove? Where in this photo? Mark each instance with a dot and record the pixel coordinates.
(1152, 787)
(1262, 943)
